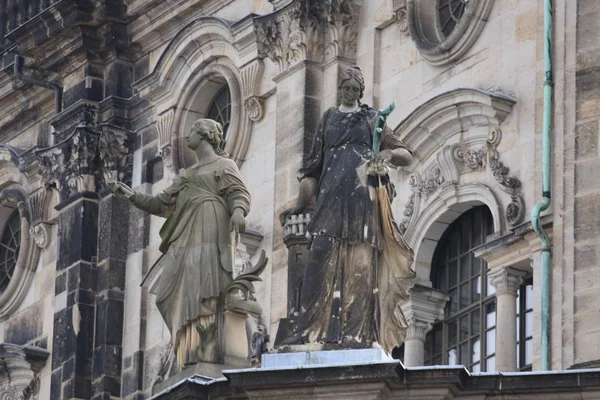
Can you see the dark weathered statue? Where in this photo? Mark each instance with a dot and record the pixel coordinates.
(359, 265)
(205, 209)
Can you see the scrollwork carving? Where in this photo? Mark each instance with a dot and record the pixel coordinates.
(254, 106)
(40, 235)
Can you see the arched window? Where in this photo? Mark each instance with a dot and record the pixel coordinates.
(10, 243)
(220, 110)
(467, 335)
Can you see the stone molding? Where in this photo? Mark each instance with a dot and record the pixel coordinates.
(205, 48)
(21, 367)
(440, 165)
(421, 21)
(317, 31)
(506, 280)
(422, 309)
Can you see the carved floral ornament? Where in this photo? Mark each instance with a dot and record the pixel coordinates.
(442, 30)
(446, 169)
(87, 159)
(316, 30)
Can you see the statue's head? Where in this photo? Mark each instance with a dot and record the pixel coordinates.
(352, 84)
(206, 130)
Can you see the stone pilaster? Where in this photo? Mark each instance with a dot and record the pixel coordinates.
(422, 309)
(506, 281)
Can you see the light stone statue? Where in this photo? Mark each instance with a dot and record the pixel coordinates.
(205, 209)
(359, 266)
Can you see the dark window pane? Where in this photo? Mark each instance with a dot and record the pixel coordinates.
(465, 297)
(442, 279)
(453, 303)
(464, 328)
(453, 273)
(476, 290)
(475, 265)
(475, 321)
(490, 311)
(452, 335)
(464, 267)
(9, 249)
(464, 354)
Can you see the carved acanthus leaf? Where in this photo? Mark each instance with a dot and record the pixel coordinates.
(315, 30)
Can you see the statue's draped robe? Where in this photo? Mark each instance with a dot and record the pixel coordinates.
(359, 265)
(199, 248)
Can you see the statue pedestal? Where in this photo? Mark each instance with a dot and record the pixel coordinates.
(311, 355)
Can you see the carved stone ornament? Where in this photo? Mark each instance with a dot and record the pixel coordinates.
(40, 235)
(164, 125)
(401, 15)
(254, 106)
(21, 367)
(316, 30)
(87, 159)
(474, 159)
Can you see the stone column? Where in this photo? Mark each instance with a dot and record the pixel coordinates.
(422, 309)
(506, 281)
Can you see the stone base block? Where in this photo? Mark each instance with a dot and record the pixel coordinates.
(317, 357)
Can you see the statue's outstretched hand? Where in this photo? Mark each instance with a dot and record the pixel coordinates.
(121, 190)
(297, 209)
(237, 222)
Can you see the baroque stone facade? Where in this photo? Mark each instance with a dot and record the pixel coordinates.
(109, 90)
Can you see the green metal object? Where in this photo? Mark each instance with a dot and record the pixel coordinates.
(380, 119)
(546, 186)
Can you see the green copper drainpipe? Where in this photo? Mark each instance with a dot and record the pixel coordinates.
(546, 186)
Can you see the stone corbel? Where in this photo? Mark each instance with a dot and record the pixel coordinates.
(21, 366)
(401, 15)
(164, 126)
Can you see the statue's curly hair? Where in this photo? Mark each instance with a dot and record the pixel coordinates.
(355, 73)
(211, 131)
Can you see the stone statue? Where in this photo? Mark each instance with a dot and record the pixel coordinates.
(205, 209)
(359, 266)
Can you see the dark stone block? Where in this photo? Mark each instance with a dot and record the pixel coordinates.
(149, 153)
(56, 384)
(142, 68)
(127, 362)
(102, 396)
(96, 91)
(149, 135)
(109, 322)
(74, 94)
(129, 383)
(108, 385)
(81, 276)
(113, 229)
(111, 275)
(68, 389)
(85, 336)
(83, 388)
(68, 369)
(107, 361)
(60, 284)
(77, 233)
(26, 325)
(63, 339)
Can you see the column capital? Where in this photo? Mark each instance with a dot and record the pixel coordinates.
(506, 279)
(424, 306)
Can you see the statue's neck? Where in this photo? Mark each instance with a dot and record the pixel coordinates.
(349, 108)
(206, 153)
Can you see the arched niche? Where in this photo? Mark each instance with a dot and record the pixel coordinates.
(201, 58)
